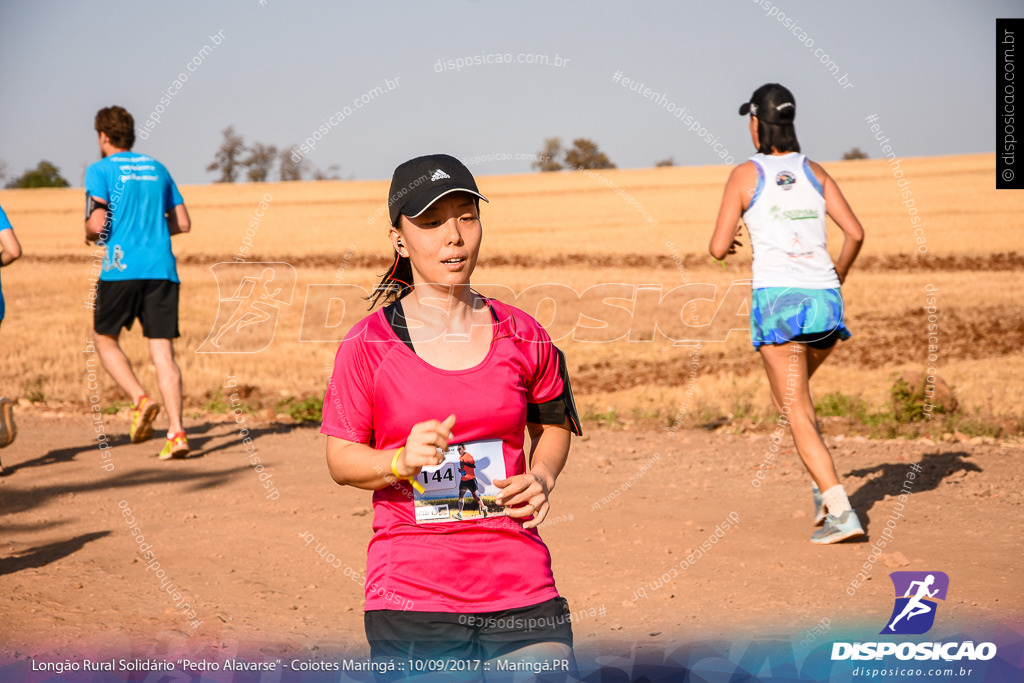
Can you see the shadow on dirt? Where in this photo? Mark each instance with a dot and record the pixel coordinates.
(131, 469)
(46, 554)
(890, 479)
(199, 437)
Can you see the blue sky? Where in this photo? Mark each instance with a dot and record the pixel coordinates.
(926, 69)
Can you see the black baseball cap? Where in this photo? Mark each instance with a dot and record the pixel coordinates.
(772, 103)
(420, 182)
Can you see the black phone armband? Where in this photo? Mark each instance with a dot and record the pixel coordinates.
(555, 411)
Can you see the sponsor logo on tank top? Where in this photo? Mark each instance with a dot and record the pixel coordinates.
(792, 214)
(798, 248)
(785, 180)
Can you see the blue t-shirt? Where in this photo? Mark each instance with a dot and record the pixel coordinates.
(139, 191)
(4, 225)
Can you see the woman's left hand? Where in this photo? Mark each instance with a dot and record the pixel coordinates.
(526, 495)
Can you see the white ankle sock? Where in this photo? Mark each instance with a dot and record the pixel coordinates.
(836, 501)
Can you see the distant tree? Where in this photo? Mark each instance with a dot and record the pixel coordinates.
(329, 173)
(43, 175)
(853, 154)
(259, 162)
(548, 157)
(3, 171)
(671, 161)
(228, 159)
(290, 169)
(584, 154)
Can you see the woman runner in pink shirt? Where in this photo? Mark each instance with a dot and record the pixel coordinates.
(441, 366)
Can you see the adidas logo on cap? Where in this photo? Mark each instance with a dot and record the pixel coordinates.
(439, 175)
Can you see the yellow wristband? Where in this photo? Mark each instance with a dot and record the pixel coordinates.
(394, 470)
(394, 463)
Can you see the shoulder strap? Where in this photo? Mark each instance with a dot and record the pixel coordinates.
(396, 319)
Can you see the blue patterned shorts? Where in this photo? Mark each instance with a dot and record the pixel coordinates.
(790, 314)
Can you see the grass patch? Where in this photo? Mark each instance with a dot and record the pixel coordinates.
(609, 418)
(975, 425)
(219, 404)
(308, 409)
(838, 404)
(33, 390)
(115, 407)
(907, 401)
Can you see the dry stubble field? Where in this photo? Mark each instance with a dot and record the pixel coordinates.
(574, 247)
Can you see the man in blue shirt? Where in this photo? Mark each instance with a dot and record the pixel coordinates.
(133, 208)
(10, 251)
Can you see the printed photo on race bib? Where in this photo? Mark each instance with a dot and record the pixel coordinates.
(462, 487)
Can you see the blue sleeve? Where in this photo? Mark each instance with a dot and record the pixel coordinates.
(5, 224)
(815, 183)
(173, 197)
(759, 188)
(96, 183)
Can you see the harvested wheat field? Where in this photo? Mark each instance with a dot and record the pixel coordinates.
(601, 259)
(675, 403)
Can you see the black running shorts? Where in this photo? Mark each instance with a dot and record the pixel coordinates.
(480, 636)
(153, 302)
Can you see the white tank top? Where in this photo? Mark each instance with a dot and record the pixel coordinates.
(786, 221)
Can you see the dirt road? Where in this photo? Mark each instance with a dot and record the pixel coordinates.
(630, 515)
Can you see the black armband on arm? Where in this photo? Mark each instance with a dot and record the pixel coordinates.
(91, 204)
(555, 412)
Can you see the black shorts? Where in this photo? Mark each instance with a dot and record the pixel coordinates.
(479, 636)
(819, 340)
(467, 485)
(153, 302)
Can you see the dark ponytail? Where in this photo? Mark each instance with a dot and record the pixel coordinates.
(393, 286)
(780, 136)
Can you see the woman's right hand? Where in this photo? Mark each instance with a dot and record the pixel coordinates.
(736, 239)
(422, 444)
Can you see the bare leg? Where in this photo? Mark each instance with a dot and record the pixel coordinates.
(168, 376)
(788, 374)
(118, 366)
(815, 357)
(480, 503)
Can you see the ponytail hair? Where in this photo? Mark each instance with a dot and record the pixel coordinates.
(393, 286)
(776, 137)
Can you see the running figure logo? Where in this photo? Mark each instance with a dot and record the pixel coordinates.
(115, 262)
(247, 319)
(916, 595)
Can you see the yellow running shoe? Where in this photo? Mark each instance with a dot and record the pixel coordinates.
(142, 420)
(176, 447)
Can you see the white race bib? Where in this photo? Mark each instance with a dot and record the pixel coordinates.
(462, 487)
